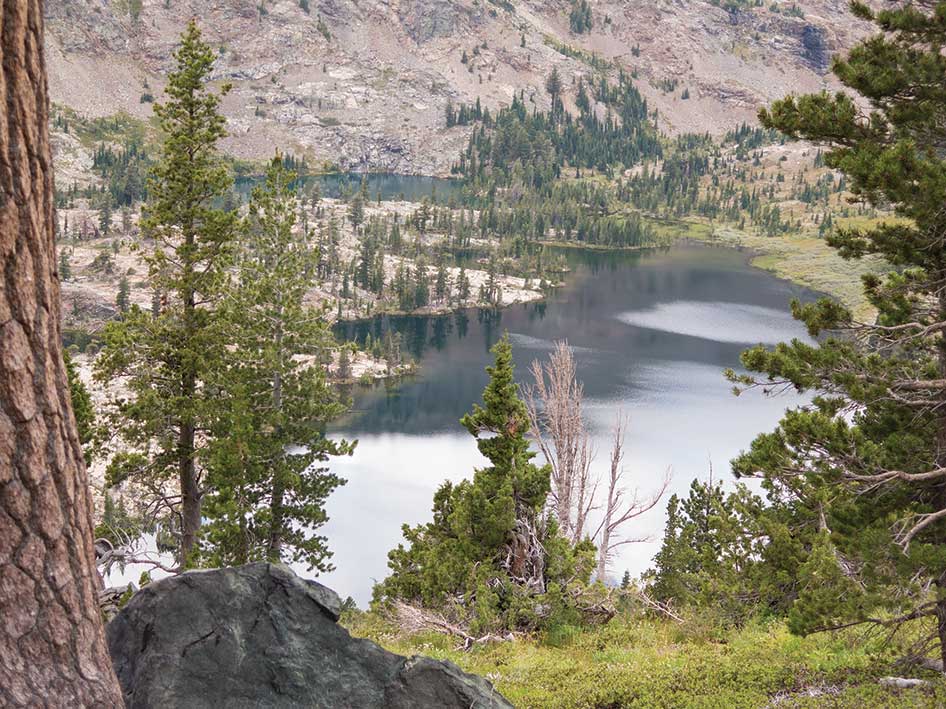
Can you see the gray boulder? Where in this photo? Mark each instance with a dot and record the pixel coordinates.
(259, 636)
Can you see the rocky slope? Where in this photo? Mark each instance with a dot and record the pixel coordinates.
(364, 84)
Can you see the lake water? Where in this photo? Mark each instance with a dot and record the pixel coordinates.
(412, 188)
(651, 331)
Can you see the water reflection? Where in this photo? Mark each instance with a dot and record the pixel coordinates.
(652, 332)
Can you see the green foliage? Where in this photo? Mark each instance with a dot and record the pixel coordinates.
(827, 595)
(356, 210)
(124, 169)
(171, 356)
(267, 492)
(65, 267)
(580, 17)
(642, 663)
(489, 555)
(103, 263)
(81, 402)
(727, 554)
(866, 459)
(122, 299)
(530, 151)
(118, 525)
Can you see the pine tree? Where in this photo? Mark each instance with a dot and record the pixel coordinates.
(170, 358)
(105, 217)
(713, 551)
(868, 456)
(122, 300)
(442, 284)
(421, 283)
(553, 85)
(81, 403)
(65, 267)
(463, 285)
(356, 210)
(489, 543)
(267, 491)
(392, 351)
(344, 364)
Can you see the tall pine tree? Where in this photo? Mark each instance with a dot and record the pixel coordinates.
(169, 358)
(266, 488)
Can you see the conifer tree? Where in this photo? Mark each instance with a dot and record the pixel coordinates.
(714, 552)
(81, 403)
(105, 217)
(489, 544)
(356, 210)
(344, 364)
(169, 358)
(868, 456)
(122, 299)
(65, 267)
(267, 489)
(442, 283)
(463, 285)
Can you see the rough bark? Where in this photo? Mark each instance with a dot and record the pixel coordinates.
(276, 521)
(52, 650)
(191, 495)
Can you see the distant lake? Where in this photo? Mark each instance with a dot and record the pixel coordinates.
(412, 188)
(651, 332)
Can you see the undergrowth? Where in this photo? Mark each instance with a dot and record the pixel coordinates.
(642, 662)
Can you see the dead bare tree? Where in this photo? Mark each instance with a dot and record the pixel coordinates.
(554, 402)
(617, 510)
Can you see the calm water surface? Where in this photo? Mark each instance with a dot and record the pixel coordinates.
(652, 333)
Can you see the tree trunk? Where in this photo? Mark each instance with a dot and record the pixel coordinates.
(186, 449)
(277, 513)
(52, 648)
(190, 494)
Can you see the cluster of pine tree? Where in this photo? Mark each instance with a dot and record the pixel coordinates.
(125, 171)
(580, 18)
(514, 168)
(466, 114)
(222, 420)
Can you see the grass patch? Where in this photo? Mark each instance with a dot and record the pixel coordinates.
(804, 259)
(634, 662)
(118, 128)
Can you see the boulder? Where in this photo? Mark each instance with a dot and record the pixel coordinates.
(259, 636)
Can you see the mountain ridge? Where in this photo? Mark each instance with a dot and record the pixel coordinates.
(364, 84)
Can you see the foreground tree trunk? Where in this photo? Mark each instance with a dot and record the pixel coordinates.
(52, 648)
